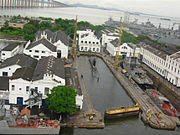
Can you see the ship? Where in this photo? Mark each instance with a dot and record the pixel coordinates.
(121, 112)
(163, 103)
(93, 63)
(132, 67)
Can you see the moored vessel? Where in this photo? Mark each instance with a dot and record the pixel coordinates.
(121, 112)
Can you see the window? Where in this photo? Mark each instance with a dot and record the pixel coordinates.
(35, 56)
(81, 48)
(89, 42)
(5, 73)
(46, 90)
(93, 49)
(9, 68)
(81, 41)
(27, 89)
(36, 51)
(3, 54)
(20, 89)
(12, 87)
(97, 43)
(43, 51)
(93, 42)
(86, 42)
(86, 48)
(36, 88)
(30, 50)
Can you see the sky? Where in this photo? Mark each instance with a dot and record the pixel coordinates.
(157, 7)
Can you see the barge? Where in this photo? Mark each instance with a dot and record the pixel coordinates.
(121, 112)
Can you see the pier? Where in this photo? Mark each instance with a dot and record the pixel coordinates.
(151, 114)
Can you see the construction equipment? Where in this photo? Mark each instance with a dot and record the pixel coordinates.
(118, 49)
(73, 51)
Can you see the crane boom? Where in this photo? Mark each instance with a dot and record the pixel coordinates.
(118, 49)
(73, 52)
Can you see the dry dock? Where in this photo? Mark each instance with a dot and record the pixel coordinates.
(82, 118)
(151, 114)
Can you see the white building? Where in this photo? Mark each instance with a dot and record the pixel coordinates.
(106, 38)
(40, 48)
(49, 72)
(126, 49)
(47, 44)
(87, 41)
(172, 67)
(11, 50)
(154, 58)
(168, 66)
(10, 65)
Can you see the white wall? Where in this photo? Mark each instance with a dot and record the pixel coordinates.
(173, 68)
(8, 54)
(63, 48)
(19, 91)
(47, 82)
(125, 49)
(89, 42)
(9, 69)
(43, 51)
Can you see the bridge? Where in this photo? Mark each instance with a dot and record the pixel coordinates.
(30, 4)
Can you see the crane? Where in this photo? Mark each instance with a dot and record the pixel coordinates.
(118, 49)
(73, 51)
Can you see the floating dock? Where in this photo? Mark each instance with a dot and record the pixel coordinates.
(151, 114)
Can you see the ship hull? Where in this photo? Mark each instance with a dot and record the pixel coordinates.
(121, 115)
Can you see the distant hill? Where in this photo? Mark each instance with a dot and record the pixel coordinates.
(61, 4)
(114, 9)
(94, 6)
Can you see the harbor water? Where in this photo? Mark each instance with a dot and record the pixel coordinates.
(94, 16)
(107, 92)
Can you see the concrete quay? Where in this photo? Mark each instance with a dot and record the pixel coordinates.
(79, 120)
(151, 114)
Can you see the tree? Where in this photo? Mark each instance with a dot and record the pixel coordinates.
(62, 100)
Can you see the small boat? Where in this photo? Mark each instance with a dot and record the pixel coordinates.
(122, 112)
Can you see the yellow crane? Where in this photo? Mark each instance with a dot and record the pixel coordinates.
(118, 49)
(73, 51)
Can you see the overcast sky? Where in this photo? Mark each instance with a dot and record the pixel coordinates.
(158, 7)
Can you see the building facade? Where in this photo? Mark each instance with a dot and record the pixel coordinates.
(168, 66)
(88, 42)
(47, 44)
(172, 68)
(11, 50)
(126, 49)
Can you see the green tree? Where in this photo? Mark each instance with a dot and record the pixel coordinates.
(62, 100)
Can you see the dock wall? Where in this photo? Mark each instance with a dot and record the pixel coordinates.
(148, 107)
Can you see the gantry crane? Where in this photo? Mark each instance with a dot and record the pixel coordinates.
(73, 51)
(116, 63)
